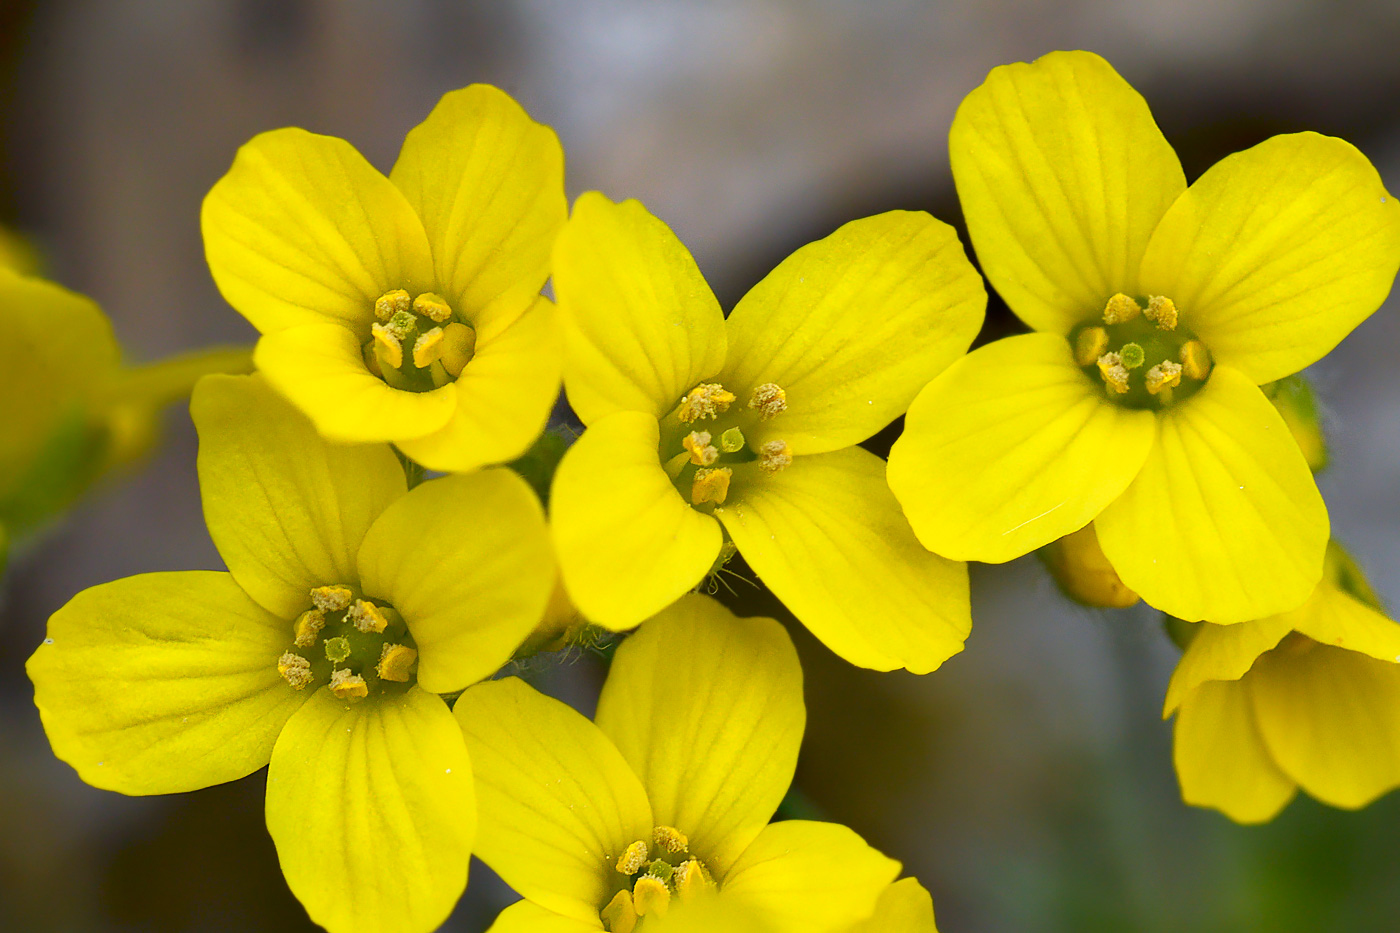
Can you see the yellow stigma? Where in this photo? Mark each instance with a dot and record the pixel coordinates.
(691, 879)
(632, 860)
(432, 306)
(307, 626)
(702, 452)
(396, 662)
(670, 839)
(1114, 373)
(1164, 375)
(768, 400)
(707, 400)
(732, 441)
(774, 456)
(388, 347)
(427, 348)
(711, 486)
(1090, 345)
(294, 669)
(346, 685)
(650, 896)
(458, 348)
(367, 617)
(1162, 311)
(1120, 308)
(1195, 359)
(391, 303)
(332, 598)
(620, 916)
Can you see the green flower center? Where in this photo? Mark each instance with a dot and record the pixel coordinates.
(1142, 355)
(651, 874)
(702, 440)
(417, 344)
(355, 645)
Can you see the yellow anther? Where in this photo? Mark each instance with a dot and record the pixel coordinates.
(391, 303)
(1114, 373)
(702, 452)
(1162, 311)
(458, 348)
(1164, 375)
(332, 598)
(367, 617)
(650, 896)
(670, 839)
(711, 486)
(371, 358)
(427, 348)
(1195, 359)
(707, 400)
(307, 626)
(774, 456)
(732, 441)
(432, 306)
(1120, 308)
(1090, 345)
(346, 685)
(631, 861)
(768, 400)
(691, 879)
(620, 916)
(387, 346)
(395, 663)
(294, 669)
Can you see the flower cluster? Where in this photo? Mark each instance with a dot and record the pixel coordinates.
(397, 522)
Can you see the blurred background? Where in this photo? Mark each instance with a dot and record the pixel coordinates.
(1028, 783)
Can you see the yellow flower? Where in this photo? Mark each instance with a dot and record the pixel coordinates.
(903, 907)
(704, 431)
(665, 800)
(1159, 310)
(406, 308)
(347, 605)
(1309, 698)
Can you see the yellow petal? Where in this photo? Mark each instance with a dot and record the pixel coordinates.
(712, 913)
(1277, 252)
(1011, 448)
(1221, 760)
(1224, 522)
(488, 183)
(1063, 175)
(641, 327)
(162, 683)
(1223, 652)
(504, 397)
(303, 229)
(558, 804)
(1331, 719)
(828, 538)
(810, 877)
(628, 544)
(286, 510)
(853, 326)
(1333, 617)
(904, 907)
(372, 809)
(707, 709)
(527, 917)
(321, 369)
(466, 560)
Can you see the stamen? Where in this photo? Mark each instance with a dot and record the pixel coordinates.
(346, 685)
(427, 348)
(732, 441)
(458, 348)
(294, 669)
(1161, 310)
(1164, 375)
(774, 456)
(1090, 345)
(371, 358)
(711, 486)
(367, 617)
(1120, 308)
(620, 916)
(691, 879)
(433, 306)
(701, 450)
(391, 303)
(1195, 359)
(670, 839)
(768, 399)
(631, 861)
(395, 663)
(332, 598)
(337, 649)
(307, 626)
(1114, 373)
(707, 400)
(1132, 355)
(650, 896)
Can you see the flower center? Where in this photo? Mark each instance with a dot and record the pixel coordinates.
(652, 874)
(356, 645)
(1142, 355)
(700, 457)
(418, 344)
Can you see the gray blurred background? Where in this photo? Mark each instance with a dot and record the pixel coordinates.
(1029, 782)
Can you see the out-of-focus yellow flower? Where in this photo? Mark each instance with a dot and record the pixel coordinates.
(701, 427)
(347, 605)
(1309, 698)
(1159, 310)
(665, 800)
(1295, 401)
(406, 308)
